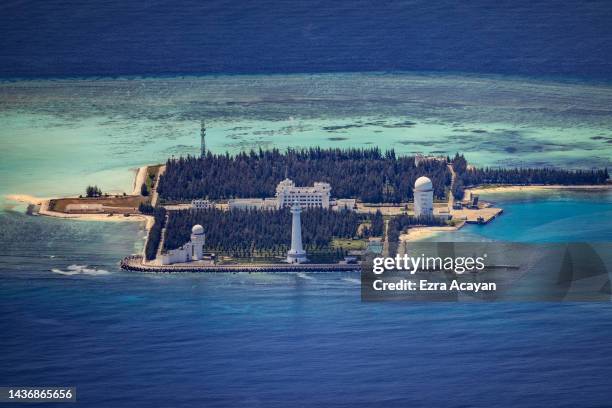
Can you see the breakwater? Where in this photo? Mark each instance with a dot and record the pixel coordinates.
(134, 263)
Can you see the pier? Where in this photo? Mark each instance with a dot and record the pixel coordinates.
(481, 215)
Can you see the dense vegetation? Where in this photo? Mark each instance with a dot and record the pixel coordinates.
(93, 191)
(377, 226)
(243, 232)
(366, 174)
(520, 176)
(155, 233)
(402, 222)
(146, 208)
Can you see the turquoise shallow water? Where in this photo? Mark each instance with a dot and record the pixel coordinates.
(549, 216)
(57, 136)
(70, 316)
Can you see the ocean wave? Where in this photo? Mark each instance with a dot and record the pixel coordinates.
(80, 270)
(352, 280)
(304, 276)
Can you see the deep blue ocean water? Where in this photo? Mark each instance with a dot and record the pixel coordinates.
(69, 316)
(114, 37)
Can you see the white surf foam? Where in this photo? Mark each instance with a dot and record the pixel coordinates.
(80, 270)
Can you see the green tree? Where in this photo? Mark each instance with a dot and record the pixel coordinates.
(93, 191)
(144, 191)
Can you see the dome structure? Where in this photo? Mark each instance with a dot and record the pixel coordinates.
(423, 197)
(423, 184)
(197, 230)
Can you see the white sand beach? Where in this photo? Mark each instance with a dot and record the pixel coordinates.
(141, 176)
(535, 188)
(26, 198)
(420, 233)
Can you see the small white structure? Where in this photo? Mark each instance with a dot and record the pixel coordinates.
(423, 197)
(85, 208)
(423, 159)
(252, 204)
(191, 251)
(443, 214)
(201, 204)
(287, 194)
(345, 204)
(296, 254)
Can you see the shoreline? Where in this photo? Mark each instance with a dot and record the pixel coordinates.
(420, 233)
(26, 199)
(43, 202)
(139, 179)
(413, 234)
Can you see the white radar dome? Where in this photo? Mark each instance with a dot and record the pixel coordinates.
(423, 184)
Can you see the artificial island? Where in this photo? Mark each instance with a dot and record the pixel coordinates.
(300, 210)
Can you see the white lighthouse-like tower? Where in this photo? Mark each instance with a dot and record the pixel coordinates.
(423, 197)
(296, 254)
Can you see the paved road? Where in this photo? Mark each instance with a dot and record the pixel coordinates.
(451, 198)
(155, 195)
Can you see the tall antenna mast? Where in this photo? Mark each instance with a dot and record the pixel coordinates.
(202, 138)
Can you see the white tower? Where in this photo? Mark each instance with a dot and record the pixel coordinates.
(296, 254)
(423, 197)
(197, 242)
(202, 139)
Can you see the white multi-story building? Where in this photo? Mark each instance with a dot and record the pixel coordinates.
(423, 197)
(287, 194)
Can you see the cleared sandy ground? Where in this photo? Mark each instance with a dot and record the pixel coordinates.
(44, 210)
(43, 202)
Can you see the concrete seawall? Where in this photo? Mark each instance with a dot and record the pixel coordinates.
(134, 263)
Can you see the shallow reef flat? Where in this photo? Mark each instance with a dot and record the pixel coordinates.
(67, 133)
